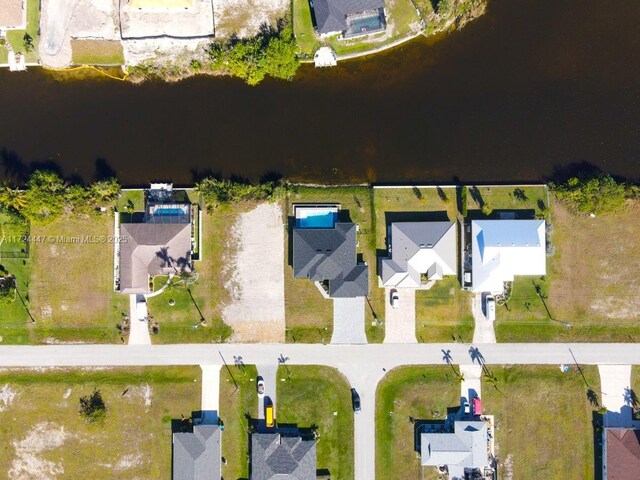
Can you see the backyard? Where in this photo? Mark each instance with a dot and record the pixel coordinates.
(310, 316)
(17, 37)
(591, 293)
(51, 440)
(531, 402)
(402, 21)
(407, 395)
(329, 414)
(238, 405)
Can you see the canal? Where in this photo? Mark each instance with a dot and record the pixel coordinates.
(532, 87)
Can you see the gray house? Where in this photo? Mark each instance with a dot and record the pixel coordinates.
(329, 254)
(419, 251)
(351, 18)
(274, 457)
(462, 452)
(196, 455)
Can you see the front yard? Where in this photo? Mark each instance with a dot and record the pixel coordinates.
(443, 313)
(329, 414)
(406, 393)
(543, 421)
(45, 437)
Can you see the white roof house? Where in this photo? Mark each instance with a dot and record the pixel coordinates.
(464, 449)
(502, 249)
(419, 248)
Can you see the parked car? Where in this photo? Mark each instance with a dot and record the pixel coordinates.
(490, 307)
(141, 308)
(467, 408)
(477, 406)
(260, 386)
(395, 298)
(269, 417)
(355, 400)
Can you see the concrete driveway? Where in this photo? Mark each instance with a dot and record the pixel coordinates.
(615, 381)
(483, 331)
(138, 330)
(348, 321)
(400, 322)
(268, 374)
(210, 393)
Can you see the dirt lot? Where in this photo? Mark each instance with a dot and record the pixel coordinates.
(594, 271)
(45, 438)
(244, 17)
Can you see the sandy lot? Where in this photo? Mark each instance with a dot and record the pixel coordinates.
(244, 17)
(256, 285)
(595, 267)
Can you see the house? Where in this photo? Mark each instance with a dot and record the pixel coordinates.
(620, 453)
(196, 455)
(159, 244)
(349, 18)
(13, 14)
(420, 252)
(463, 452)
(275, 456)
(324, 250)
(502, 249)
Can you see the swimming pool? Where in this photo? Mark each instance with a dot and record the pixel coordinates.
(168, 211)
(363, 26)
(316, 218)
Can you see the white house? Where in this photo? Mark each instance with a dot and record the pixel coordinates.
(419, 251)
(501, 249)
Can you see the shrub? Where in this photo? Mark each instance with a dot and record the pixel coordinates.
(216, 191)
(464, 193)
(92, 407)
(600, 194)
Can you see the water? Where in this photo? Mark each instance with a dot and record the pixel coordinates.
(317, 218)
(532, 87)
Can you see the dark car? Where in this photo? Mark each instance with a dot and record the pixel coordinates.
(355, 400)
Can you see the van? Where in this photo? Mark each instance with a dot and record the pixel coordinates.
(141, 309)
(269, 418)
(490, 308)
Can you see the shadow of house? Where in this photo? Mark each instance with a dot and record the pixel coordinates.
(503, 214)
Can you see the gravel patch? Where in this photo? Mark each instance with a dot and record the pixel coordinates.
(6, 397)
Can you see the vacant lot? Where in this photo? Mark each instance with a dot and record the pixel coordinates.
(330, 413)
(444, 313)
(97, 52)
(71, 286)
(543, 421)
(238, 406)
(45, 437)
(244, 18)
(310, 316)
(413, 392)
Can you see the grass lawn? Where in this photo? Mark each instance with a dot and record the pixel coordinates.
(177, 322)
(419, 392)
(237, 407)
(300, 404)
(305, 34)
(16, 37)
(635, 387)
(530, 202)
(44, 436)
(71, 288)
(130, 201)
(4, 55)
(97, 52)
(444, 311)
(307, 312)
(14, 320)
(543, 421)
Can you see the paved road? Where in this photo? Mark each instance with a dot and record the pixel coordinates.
(362, 364)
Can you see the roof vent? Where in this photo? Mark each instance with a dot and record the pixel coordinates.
(429, 245)
(422, 245)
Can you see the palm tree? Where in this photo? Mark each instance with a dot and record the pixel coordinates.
(13, 199)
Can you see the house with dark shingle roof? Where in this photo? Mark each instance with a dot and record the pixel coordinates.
(329, 254)
(196, 455)
(621, 453)
(275, 456)
(350, 18)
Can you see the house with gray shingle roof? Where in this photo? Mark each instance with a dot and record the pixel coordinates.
(462, 452)
(419, 250)
(350, 18)
(196, 455)
(278, 457)
(329, 254)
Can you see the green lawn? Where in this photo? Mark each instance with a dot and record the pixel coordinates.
(238, 405)
(97, 52)
(307, 312)
(443, 312)
(70, 290)
(305, 34)
(421, 393)
(4, 55)
(529, 202)
(130, 201)
(43, 433)
(16, 37)
(635, 388)
(543, 421)
(299, 403)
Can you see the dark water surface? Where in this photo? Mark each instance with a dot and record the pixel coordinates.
(532, 85)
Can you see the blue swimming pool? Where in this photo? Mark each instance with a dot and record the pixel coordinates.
(320, 219)
(168, 211)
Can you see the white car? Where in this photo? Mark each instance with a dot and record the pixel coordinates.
(141, 309)
(395, 298)
(260, 386)
(467, 408)
(490, 307)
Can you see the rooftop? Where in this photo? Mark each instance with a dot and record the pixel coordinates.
(196, 455)
(622, 454)
(278, 457)
(331, 15)
(12, 13)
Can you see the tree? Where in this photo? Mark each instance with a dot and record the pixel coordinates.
(599, 194)
(280, 55)
(92, 407)
(13, 199)
(45, 197)
(27, 41)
